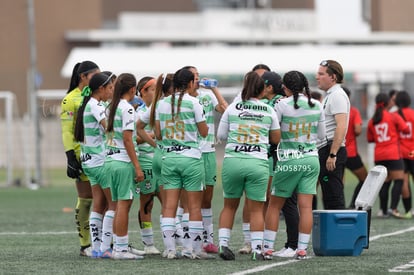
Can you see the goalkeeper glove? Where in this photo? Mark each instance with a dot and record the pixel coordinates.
(74, 168)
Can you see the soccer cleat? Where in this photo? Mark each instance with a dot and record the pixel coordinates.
(301, 255)
(396, 214)
(125, 255)
(257, 256)
(285, 253)
(170, 254)
(268, 254)
(151, 250)
(107, 254)
(185, 253)
(202, 255)
(407, 215)
(210, 248)
(246, 249)
(96, 254)
(275, 253)
(86, 251)
(226, 254)
(381, 214)
(135, 251)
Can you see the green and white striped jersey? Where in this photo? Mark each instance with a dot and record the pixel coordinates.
(145, 117)
(246, 126)
(145, 149)
(209, 102)
(180, 136)
(124, 120)
(300, 128)
(93, 147)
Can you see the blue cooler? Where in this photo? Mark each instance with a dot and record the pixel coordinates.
(339, 232)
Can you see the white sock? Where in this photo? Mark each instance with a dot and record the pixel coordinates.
(114, 240)
(246, 232)
(168, 229)
(196, 233)
(179, 234)
(107, 230)
(257, 241)
(207, 214)
(95, 229)
(122, 243)
(269, 238)
(187, 242)
(147, 236)
(179, 213)
(224, 236)
(303, 241)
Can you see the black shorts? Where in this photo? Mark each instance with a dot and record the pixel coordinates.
(409, 166)
(392, 165)
(354, 163)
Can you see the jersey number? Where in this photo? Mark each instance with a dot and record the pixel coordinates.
(382, 132)
(410, 134)
(175, 129)
(295, 128)
(248, 134)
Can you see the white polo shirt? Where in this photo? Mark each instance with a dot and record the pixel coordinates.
(335, 102)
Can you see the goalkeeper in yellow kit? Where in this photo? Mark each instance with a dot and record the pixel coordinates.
(82, 73)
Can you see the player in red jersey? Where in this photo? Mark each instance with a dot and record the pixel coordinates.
(383, 129)
(403, 102)
(354, 161)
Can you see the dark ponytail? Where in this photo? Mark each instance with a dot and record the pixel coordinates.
(181, 80)
(253, 86)
(297, 83)
(85, 68)
(98, 80)
(402, 100)
(381, 101)
(123, 84)
(164, 88)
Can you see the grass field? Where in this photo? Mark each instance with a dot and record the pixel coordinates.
(38, 237)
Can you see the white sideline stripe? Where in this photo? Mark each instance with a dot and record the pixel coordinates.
(374, 238)
(392, 233)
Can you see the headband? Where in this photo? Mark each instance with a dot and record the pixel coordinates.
(86, 91)
(149, 83)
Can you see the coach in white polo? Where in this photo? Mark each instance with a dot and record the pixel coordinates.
(332, 152)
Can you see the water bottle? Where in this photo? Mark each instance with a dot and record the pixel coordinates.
(208, 83)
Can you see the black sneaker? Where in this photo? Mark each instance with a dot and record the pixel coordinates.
(226, 254)
(257, 256)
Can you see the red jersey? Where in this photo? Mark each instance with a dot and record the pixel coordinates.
(407, 140)
(385, 134)
(350, 138)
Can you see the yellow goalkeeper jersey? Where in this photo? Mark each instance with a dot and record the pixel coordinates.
(69, 110)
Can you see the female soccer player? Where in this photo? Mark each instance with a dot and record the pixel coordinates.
(90, 132)
(354, 161)
(403, 102)
(179, 122)
(82, 73)
(148, 188)
(297, 170)
(247, 125)
(383, 129)
(211, 100)
(122, 165)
